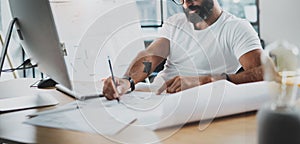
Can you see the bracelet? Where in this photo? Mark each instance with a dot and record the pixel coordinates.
(132, 86)
(226, 76)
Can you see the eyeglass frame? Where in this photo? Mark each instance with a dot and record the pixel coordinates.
(182, 2)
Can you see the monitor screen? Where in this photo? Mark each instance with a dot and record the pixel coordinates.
(40, 38)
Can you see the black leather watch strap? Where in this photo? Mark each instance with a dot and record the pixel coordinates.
(226, 76)
(132, 85)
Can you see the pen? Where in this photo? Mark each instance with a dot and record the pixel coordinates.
(112, 75)
(90, 97)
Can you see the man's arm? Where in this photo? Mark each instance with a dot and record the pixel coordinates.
(250, 62)
(253, 70)
(146, 61)
(141, 67)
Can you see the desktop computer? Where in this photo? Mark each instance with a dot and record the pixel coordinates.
(39, 37)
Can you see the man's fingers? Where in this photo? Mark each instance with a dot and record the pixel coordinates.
(170, 82)
(173, 89)
(174, 85)
(178, 89)
(115, 92)
(108, 93)
(109, 89)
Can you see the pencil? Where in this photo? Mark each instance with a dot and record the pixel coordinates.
(112, 75)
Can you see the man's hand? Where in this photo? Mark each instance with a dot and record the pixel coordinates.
(180, 83)
(111, 92)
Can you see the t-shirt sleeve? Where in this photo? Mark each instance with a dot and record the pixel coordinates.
(169, 27)
(165, 31)
(245, 39)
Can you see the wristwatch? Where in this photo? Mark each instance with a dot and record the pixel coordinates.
(226, 76)
(132, 86)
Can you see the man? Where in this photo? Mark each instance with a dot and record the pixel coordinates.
(202, 45)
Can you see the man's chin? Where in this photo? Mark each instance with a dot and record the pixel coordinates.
(194, 18)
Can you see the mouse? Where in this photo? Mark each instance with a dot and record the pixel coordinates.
(46, 83)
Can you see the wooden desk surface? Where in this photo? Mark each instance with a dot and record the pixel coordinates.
(238, 129)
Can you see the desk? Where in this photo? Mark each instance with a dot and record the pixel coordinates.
(238, 129)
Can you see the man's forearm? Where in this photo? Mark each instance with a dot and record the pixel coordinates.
(142, 66)
(251, 75)
(147, 60)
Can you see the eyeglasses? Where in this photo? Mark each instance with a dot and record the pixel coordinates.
(179, 2)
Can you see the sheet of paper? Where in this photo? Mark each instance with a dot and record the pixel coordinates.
(89, 117)
(145, 106)
(220, 98)
(142, 101)
(214, 100)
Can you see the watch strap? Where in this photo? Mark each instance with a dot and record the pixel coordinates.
(132, 84)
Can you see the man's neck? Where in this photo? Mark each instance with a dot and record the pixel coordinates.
(216, 13)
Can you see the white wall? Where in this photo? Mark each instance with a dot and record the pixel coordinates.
(280, 20)
(95, 29)
(86, 27)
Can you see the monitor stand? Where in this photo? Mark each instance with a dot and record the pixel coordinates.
(46, 83)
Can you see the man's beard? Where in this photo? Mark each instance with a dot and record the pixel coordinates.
(202, 12)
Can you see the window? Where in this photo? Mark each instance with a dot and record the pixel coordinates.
(247, 9)
(153, 12)
(15, 52)
(150, 12)
(0, 17)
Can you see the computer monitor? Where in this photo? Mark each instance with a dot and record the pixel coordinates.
(40, 38)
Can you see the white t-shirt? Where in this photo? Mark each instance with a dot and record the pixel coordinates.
(214, 50)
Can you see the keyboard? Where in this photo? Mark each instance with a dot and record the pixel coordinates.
(82, 90)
